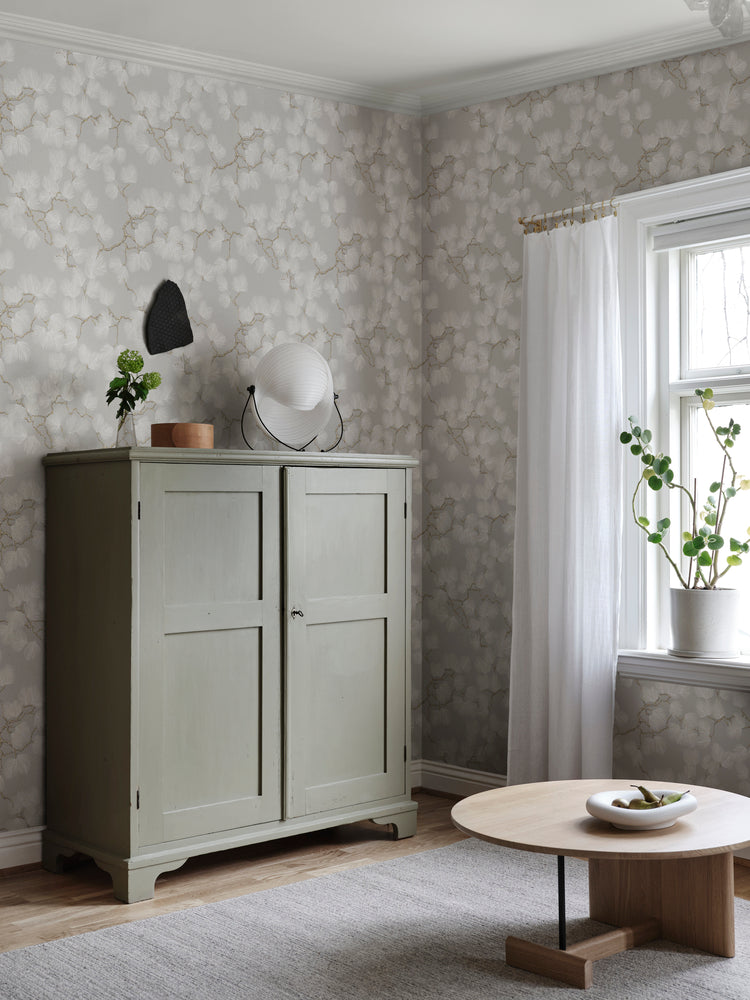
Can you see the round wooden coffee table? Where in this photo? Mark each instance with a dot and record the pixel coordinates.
(676, 884)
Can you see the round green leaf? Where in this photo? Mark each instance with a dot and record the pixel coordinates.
(646, 436)
(714, 487)
(731, 493)
(644, 521)
(715, 542)
(663, 524)
(636, 449)
(689, 549)
(705, 558)
(734, 561)
(626, 437)
(655, 537)
(655, 483)
(708, 393)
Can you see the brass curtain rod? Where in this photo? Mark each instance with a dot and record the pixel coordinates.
(567, 216)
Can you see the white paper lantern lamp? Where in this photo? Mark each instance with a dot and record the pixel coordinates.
(293, 396)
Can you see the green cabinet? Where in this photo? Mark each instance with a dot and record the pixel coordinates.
(227, 651)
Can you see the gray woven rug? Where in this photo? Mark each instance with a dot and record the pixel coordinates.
(428, 926)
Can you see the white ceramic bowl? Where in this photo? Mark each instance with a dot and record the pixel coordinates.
(600, 806)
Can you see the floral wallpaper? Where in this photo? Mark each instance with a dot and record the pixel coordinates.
(484, 167)
(389, 243)
(698, 735)
(280, 218)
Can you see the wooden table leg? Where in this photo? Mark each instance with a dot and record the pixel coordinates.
(573, 965)
(692, 898)
(574, 970)
(689, 900)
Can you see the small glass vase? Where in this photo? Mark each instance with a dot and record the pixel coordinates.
(126, 432)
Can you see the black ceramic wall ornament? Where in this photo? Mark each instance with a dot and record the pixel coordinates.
(167, 323)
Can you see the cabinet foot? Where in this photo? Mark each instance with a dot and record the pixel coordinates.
(404, 823)
(136, 884)
(57, 860)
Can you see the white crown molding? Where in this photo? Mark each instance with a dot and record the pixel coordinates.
(20, 28)
(539, 74)
(528, 76)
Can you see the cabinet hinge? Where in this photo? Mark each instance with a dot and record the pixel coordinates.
(404, 753)
(139, 510)
(404, 510)
(138, 798)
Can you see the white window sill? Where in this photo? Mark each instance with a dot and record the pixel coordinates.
(658, 665)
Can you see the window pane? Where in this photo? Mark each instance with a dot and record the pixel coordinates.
(720, 308)
(706, 460)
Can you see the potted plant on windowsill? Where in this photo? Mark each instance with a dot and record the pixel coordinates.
(704, 615)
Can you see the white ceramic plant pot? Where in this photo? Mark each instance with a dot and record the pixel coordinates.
(705, 622)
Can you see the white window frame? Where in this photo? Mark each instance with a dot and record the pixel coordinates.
(645, 336)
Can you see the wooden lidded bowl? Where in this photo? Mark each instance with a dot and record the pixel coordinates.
(182, 435)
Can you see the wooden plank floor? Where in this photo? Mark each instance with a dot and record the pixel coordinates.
(37, 906)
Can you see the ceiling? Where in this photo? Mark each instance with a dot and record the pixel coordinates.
(415, 56)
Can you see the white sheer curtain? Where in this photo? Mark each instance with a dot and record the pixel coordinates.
(569, 509)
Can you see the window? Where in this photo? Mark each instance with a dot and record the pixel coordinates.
(685, 265)
(717, 309)
(711, 347)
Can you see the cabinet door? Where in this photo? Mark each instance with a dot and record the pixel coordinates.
(345, 652)
(209, 650)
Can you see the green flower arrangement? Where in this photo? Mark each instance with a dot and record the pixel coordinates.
(132, 385)
(703, 543)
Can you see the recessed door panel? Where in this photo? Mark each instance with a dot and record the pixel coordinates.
(214, 541)
(345, 549)
(211, 742)
(348, 685)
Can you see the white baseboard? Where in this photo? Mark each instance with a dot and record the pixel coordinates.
(434, 776)
(21, 847)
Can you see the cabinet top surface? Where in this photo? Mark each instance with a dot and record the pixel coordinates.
(218, 456)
